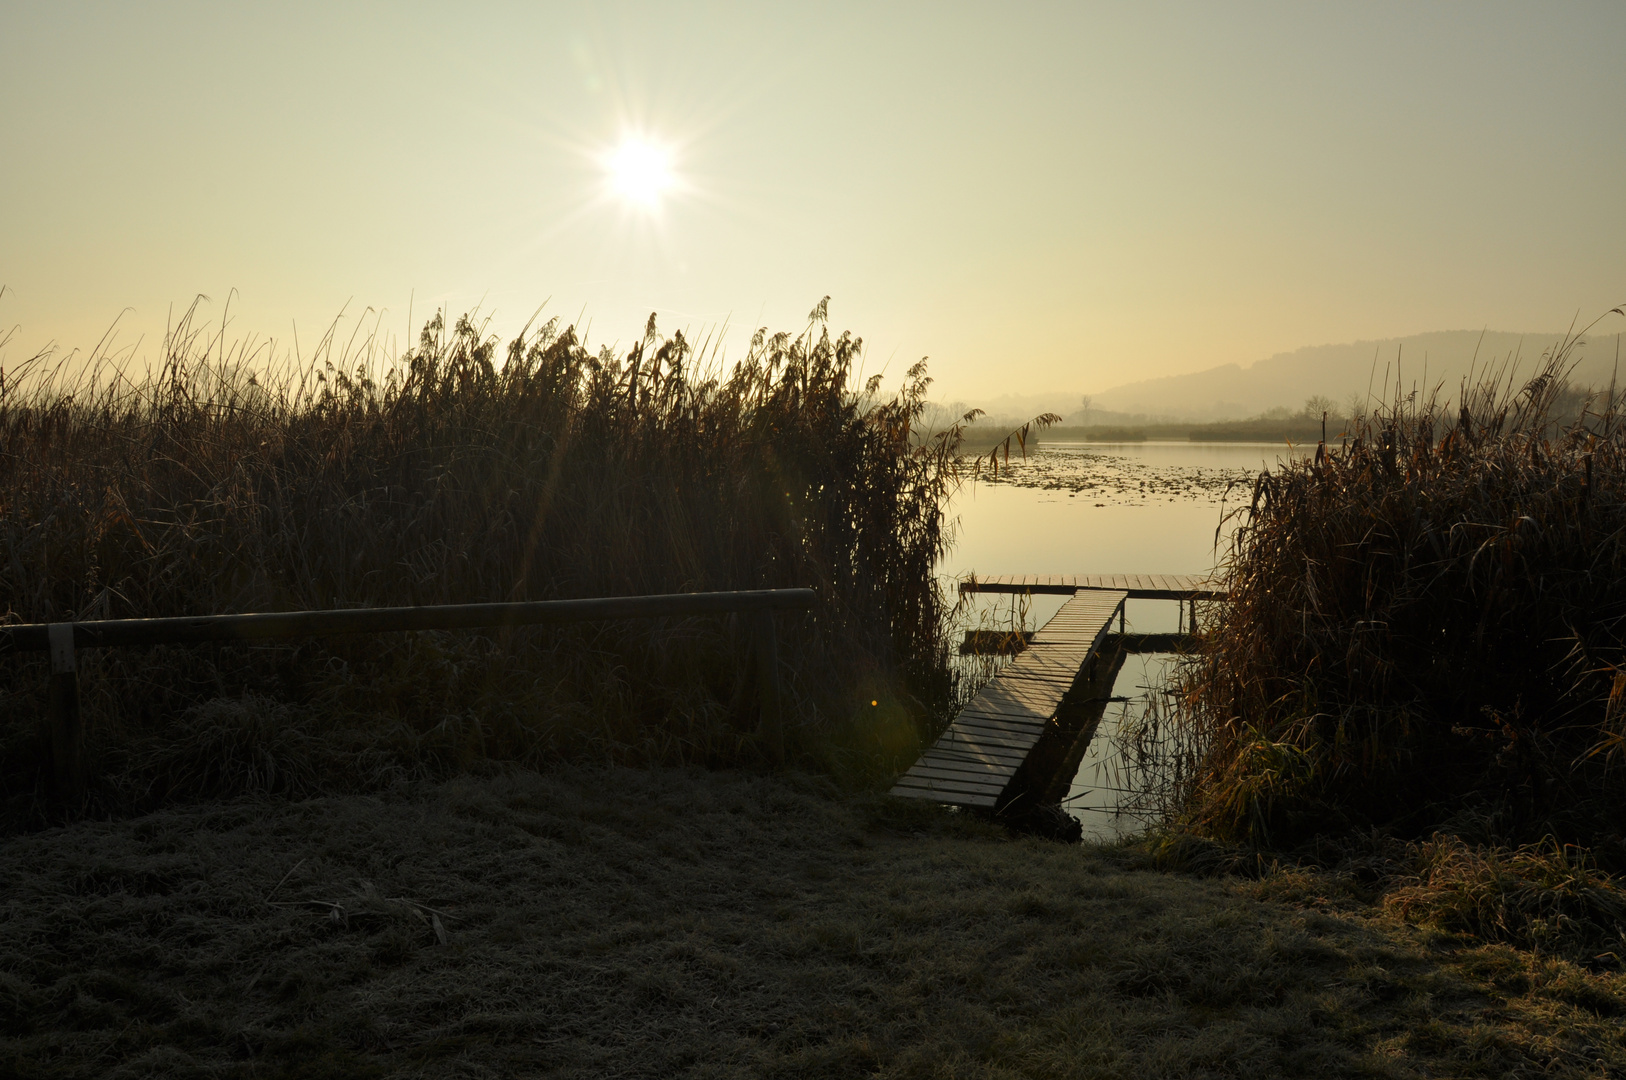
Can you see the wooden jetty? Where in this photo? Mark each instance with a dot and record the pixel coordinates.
(1136, 586)
(1015, 729)
(975, 760)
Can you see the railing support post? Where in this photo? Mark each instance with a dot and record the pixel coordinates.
(67, 729)
(771, 726)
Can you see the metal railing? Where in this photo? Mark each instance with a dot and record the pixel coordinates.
(63, 639)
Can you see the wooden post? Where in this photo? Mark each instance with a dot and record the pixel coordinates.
(1193, 630)
(772, 723)
(67, 730)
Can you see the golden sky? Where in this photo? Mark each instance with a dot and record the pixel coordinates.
(1035, 196)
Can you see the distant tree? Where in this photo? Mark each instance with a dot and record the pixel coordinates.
(1355, 405)
(1317, 404)
(1084, 403)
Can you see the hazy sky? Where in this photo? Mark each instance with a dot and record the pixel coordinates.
(1035, 196)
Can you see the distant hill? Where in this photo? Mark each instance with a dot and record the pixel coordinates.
(1286, 380)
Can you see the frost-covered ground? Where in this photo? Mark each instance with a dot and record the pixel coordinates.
(589, 922)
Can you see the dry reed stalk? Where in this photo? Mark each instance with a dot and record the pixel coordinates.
(1426, 627)
(224, 482)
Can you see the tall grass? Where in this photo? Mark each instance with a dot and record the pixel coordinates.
(463, 472)
(1425, 629)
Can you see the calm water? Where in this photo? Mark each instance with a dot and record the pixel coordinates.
(1102, 509)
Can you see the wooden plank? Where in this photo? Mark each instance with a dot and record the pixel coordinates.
(955, 794)
(1016, 700)
(968, 727)
(974, 766)
(941, 772)
(975, 712)
(950, 787)
(1052, 682)
(1005, 769)
(1058, 677)
(961, 747)
(1013, 740)
(962, 750)
(1012, 699)
(1025, 716)
(982, 729)
(1048, 660)
(989, 718)
(1010, 743)
(981, 802)
(992, 784)
(934, 772)
(964, 726)
(982, 756)
(1018, 690)
(1139, 586)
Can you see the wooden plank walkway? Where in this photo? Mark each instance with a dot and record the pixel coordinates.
(1138, 586)
(976, 758)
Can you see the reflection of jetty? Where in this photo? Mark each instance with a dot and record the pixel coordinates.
(1015, 738)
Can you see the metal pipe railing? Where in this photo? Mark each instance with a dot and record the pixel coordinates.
(63, 639)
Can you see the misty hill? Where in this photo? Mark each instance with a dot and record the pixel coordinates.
(1340, 371)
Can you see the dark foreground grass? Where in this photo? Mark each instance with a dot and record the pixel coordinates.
(678, 922)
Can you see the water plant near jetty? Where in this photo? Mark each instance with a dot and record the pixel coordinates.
(1425, 629)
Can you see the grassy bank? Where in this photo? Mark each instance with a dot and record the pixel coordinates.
(462, 472)
(590, 922)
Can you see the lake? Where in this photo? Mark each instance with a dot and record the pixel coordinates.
(1105, 508)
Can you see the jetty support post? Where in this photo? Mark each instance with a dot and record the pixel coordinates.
(771, 726)
(67, 728)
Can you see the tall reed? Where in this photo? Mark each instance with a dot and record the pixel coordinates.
(1425, 628)
(462, 472)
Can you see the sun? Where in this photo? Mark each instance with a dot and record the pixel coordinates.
(640, 171)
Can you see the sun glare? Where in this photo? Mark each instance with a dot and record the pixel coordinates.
(640, 172)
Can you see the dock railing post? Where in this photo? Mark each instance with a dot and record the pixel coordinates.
(771, 726)
(67, 729)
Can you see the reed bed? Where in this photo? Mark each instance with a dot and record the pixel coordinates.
(463, 472)
(1424, 633)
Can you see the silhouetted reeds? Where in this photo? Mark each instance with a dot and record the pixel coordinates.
(1425, 629)
(464, 473)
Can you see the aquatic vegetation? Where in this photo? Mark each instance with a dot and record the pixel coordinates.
(1426, 629)
(461, 472)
